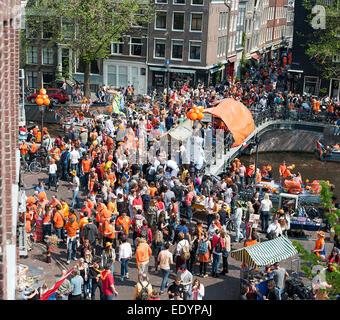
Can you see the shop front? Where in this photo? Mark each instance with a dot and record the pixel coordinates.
(177, 77)
(334, 88)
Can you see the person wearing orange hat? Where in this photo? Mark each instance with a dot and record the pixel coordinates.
(319, 248)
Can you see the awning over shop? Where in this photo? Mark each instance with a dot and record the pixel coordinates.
(265, 253)
(172, 70)
(233, 59)
(256, 56)
(217, 69)
(236, 117)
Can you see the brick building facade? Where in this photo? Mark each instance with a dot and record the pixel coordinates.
(9, 113)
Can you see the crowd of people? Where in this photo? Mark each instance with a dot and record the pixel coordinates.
(122, 209)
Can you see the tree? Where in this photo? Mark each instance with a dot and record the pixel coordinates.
(323, 44)
(332, 215)
(88, 27)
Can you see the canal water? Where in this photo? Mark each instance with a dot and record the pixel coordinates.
(306, 163)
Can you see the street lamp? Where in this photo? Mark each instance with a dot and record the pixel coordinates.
(42, 101)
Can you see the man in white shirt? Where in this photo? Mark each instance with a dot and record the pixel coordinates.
(125, 254)
(274, 230)
(74, 159)
(237, 219)
(52, 175)
(75, 189)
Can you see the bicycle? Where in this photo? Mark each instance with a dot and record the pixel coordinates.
(33, 167)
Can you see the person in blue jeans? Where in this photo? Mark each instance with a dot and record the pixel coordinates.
(125, 254)
(217, 245)
(165, 260)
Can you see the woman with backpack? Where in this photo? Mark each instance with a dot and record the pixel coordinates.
(204, 246)
(182, 251)
(226, 251)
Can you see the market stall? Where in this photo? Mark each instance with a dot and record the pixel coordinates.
(256, 257)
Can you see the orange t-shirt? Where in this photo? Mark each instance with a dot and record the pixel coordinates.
(34, 147)
(152, 191)
(71, 228)
(124, 222)
(86, 165)
(24, 148)
(58, 219)
(109, 228)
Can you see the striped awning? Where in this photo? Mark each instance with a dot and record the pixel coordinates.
(265, 253)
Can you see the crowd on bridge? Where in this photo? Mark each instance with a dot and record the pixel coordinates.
(118, 209)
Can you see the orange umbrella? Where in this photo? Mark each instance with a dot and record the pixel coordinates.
(237, 118)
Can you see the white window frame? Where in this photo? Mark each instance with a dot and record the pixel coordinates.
(117, 43)
(172, 42)
(195, 4)
(201, 14)
(130, 46)
(173, 20)
(42, 56)
(32, 54)
(179, 4)
(154, 48)
(156, 2)
(166, 21)
(195, 41)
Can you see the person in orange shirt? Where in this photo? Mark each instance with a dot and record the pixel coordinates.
(112, 205)
(72, 232)
(33, 149)
(282, 169)
(86, 167)
(287, 173)
(124, 222)
(82, 222)
(54, 202)
(319, 248)
(47, 221)
(24, 151)
(152, 189)
(58, 220)
(143, 254)
(109, 234)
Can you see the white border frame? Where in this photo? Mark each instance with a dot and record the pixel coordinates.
(195, 60)
(173, 20)
(154, 48)
(172, 41)
(196, 31)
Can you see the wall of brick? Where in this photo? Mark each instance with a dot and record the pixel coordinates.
(9, 109)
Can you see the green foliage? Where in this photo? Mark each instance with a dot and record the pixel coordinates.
(88, 27)
(310, 259)
(324, 41)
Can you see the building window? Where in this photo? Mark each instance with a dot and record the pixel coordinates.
(136, 47)
(117, 47)
(178, 21)
(195, 50)
(122, 76)
(48, 78)
(46, 30)
(177, 50)
(112, 76)
(32, 55)
(48, 56)
(179, 1)
(32, 79)
(160, 22)
(159, 48)
(162, 1)
(196, 21)
(197, 2)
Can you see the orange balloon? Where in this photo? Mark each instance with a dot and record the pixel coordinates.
(193, 116)
(47, 102)
(39, 96)
(189, 115)
(39, 102)
(200, 109)
(44, 96)
(196, 109)
(200, 116)
(42, 91)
